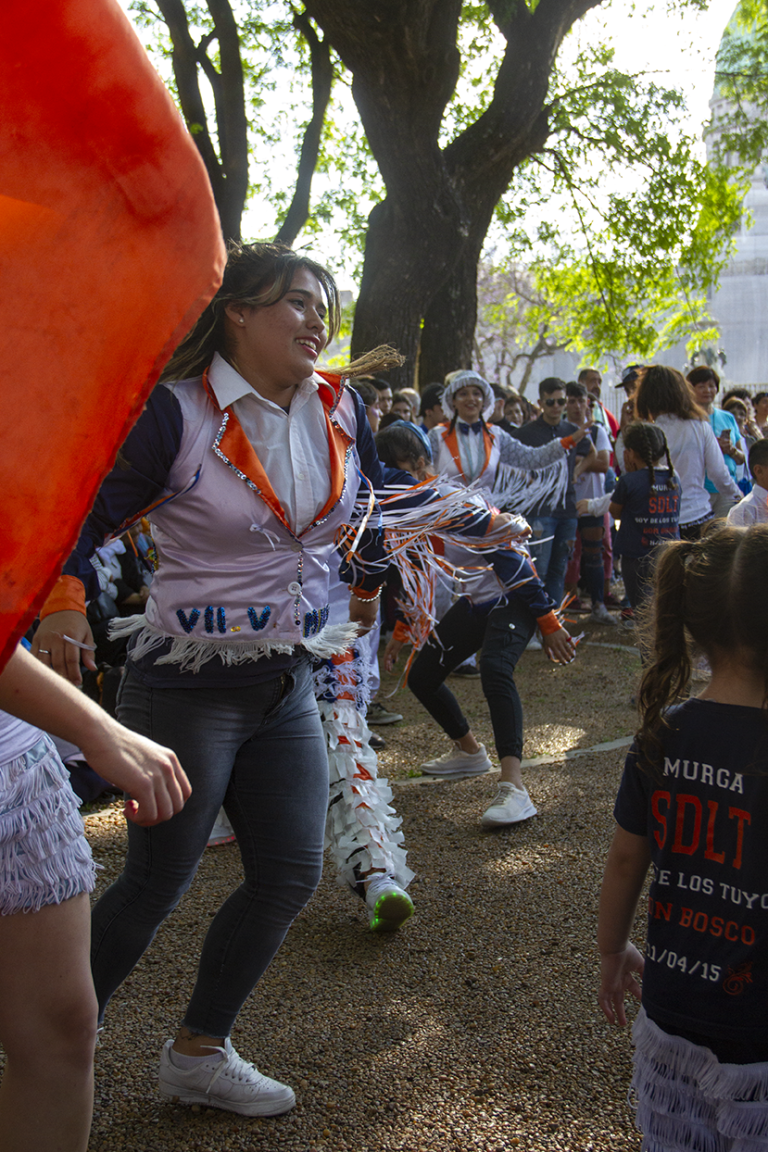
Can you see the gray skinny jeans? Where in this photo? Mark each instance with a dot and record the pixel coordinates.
(259, 751)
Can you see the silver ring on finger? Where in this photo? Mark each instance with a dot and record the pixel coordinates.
(43, 652)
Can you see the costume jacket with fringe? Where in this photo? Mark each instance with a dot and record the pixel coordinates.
(505, 464)
(499, 448)
(234, 580)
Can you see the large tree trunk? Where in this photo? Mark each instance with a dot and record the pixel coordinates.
(404, 258)
(425, 238)
(447, 338)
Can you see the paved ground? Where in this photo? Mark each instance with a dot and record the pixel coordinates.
(475, 1027)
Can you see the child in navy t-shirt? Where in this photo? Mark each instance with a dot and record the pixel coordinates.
(646, 501)
(692, 808)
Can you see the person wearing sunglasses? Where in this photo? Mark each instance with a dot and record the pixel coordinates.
(553, 521)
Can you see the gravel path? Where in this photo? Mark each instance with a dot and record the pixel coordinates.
(474, 1027)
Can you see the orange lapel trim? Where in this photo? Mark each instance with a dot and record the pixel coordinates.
(235, 449)
(488, 445)
(452, 444)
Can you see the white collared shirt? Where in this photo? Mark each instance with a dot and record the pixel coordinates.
(292, 446)
(753, 509)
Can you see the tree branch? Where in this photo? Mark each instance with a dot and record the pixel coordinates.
(230, 116)
(322, 82)
(185, 60)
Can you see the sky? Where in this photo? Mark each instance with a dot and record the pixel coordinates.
(681, 47)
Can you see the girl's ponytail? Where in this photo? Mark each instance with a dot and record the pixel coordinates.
(668, 674)
(708, 598)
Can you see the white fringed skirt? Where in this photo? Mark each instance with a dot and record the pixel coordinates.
(687, 1101)
(44, 855)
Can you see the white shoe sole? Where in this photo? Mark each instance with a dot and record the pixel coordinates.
(469, 770)
(490, 821)
(258, 1108)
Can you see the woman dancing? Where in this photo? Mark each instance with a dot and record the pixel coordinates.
(249, 460)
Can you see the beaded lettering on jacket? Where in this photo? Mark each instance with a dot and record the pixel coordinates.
(315, 621)
(215, 619)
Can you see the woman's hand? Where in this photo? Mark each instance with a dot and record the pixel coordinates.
(392, 652)
(364, 613)
(724, 440)
(157, 784)
(508, 519)
(65, 656)
(627, 414)
(582, 507)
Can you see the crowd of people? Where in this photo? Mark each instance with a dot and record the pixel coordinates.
(292, 514)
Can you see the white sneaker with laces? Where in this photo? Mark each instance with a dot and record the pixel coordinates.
(389, 904)
(224, 1080)
(458, 763)
(601, 615)
(510, 805)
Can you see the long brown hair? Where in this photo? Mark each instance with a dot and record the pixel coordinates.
(663, 391)
(259, 275)
(709, 597)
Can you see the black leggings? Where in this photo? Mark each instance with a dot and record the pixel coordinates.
(503, 633)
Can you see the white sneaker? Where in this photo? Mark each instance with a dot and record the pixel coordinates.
(458, 763)
(225, 1081)
(389, 904)
(510, 806)
(601, 615)
(534, 644)
(222, 832)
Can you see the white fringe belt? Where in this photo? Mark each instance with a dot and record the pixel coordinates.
(191, 654)
(44, 856)
(687, 1101)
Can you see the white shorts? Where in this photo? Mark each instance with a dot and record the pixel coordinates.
(44, 855)
(687, 1101)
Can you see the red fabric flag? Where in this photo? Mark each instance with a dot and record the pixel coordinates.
(110, 247)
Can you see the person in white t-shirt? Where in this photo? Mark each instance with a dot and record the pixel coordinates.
(753, 509)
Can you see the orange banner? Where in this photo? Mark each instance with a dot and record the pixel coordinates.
(110, 247)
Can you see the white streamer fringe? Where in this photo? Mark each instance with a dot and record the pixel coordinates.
(362, 828)
(687, 1100)
(191, 654)
(522, 492)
